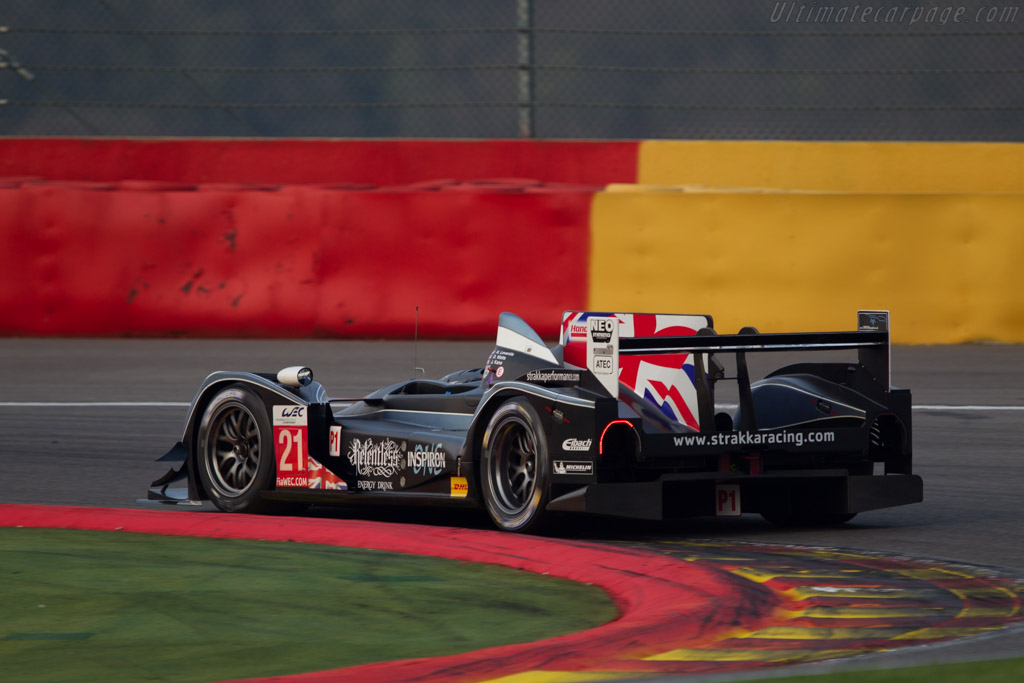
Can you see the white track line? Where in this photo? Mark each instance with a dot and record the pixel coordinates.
(179, 404)
(93, 404)
(941, 407)
(929, 408)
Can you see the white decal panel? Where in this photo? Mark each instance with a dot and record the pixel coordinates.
(291, 445)
(294, 465)
(603, 351)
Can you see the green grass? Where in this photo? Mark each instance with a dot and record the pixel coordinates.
(108, 606)
(998, 671)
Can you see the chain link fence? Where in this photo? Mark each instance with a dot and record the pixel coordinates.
(759, 69)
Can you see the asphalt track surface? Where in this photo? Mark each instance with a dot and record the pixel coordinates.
(81, 422)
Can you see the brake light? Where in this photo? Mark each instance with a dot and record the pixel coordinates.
(600, 444)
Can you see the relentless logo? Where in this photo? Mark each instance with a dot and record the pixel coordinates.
(573, 467)
(553, 377)
(573, 444)
(426, 459)
(381, 459)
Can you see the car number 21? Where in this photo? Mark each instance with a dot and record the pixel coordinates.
(291, 449)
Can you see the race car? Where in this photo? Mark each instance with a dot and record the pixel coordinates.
(619, 418)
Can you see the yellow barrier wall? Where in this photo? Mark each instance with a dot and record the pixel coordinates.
(835, 166)
(949, 267)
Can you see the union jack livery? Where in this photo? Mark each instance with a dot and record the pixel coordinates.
(618, 418)
(665, 380)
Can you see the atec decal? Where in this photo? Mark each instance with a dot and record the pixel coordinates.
(574, 444)
(573, 467)
(604, 364)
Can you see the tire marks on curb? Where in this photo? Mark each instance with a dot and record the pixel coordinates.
(833, 604)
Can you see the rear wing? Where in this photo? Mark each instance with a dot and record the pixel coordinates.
(871, 340)
(605, 346)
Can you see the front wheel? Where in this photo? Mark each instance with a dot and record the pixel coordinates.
(235, 454)
(515, 467)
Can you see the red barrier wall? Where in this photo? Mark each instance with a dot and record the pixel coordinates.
(379, 162)
(294, 262)
(118, 239)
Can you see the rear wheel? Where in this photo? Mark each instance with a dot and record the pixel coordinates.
(236, 451)
(515, 467)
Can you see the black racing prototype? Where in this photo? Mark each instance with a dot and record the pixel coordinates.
(533, 434)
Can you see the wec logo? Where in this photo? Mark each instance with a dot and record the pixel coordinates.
(573, 444)
(289, 416)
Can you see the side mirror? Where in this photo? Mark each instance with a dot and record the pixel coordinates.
(295, 376)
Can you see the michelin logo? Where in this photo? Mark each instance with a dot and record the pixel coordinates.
(573, 444)
(573, 467)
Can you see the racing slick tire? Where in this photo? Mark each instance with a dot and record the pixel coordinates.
(515, 468)
(235, 451)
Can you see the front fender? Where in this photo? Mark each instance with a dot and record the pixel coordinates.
(271, 393)
(269, 390)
